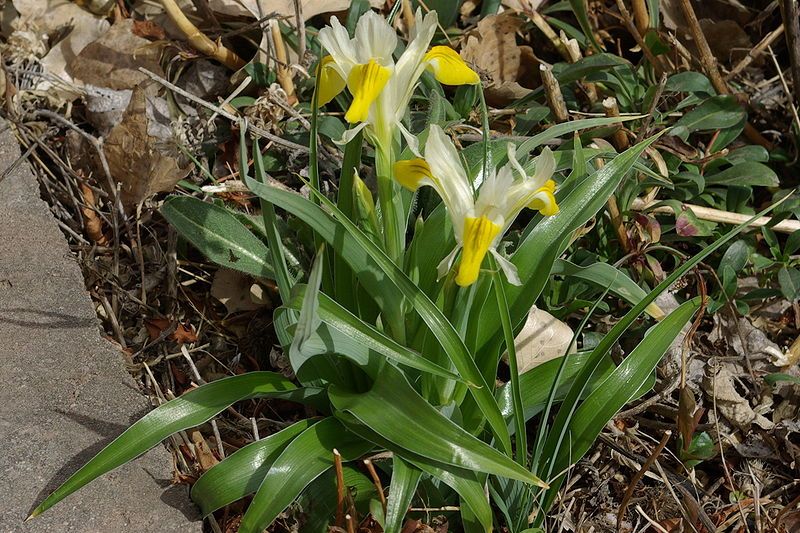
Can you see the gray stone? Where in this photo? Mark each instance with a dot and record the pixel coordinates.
(64, 393)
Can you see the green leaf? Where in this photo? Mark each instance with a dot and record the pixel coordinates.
(302, 461)
(355, 331)
(620, 387)
(772, 379)
(746, 173)
(189, 410)
(789, 279)
(715, 113)
(392, 406)
(604, 275)
(439, 325)
(537, 382)
(579, 7)
(318, 501)
(405, 478)
(218, 235)
(241, 473)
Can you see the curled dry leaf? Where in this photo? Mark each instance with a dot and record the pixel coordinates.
(202, 452)
(141, 150)
(492, 48)
(92, 223)
(719, 384)
(543, 337)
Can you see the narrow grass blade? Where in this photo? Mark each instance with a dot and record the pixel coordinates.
(302, 461)
(391, 407)
(218, 235)
(241, 473)
(189, 410)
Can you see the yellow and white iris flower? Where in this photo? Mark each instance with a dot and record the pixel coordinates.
(479, 224)
(381, 87)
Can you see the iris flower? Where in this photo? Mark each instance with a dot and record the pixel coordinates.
(381, 87)
(479, 224)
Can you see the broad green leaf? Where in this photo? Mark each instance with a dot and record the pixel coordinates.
(621, 386)
(772, 379)
(218, 235)
(392, 406)
(715, 113)
(352, 337)
(604, 275)
(302, 461)
(405, 478)
(241, 473)
(746, 173)
(789, 279)
(439, 325)
(189, 410)
(568, 72)
(369, 274)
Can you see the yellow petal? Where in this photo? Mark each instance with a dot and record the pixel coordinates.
(449, 68)
(330, 82)
(366, 82)
(544, 201)
(478, 236)
(410, 172)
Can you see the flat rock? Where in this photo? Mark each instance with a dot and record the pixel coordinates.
(64, 392)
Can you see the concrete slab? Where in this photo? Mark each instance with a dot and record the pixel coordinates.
(64, 393)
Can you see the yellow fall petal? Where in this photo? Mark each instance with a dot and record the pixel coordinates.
(410, 172)
(478, 236)
(330, 82)
(449, 68)
(545, 201)
(366, 82)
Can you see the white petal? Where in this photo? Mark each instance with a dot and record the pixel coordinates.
(545, 167)
(375, 39)
(447, 263)
(337, 42)
(449, 176)
(514, 162)
(411, 139)
(409, 66)
(349, 134)
(508, 268)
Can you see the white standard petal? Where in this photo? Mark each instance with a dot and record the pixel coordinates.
(509, 269)
(375, 39)
(337, 42)
(450, 179)
(545, 167)
(410, 65)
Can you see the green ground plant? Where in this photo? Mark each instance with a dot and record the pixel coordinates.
(396, 328)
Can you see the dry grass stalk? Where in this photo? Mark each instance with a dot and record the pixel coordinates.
(641, 16)
(718, 215)
(620, 139)
(199, 40)
(637, 35)
(791, 19)
(767, 41)
(283, 71)
(552, 90)
(340, 488)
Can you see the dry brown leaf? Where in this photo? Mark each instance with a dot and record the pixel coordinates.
(283, 8)
(720, 384)
(92, 223)
(202, 451)
(113, 60)
(492, 48)
(141, 150)
(543, 337)
(235, 291)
